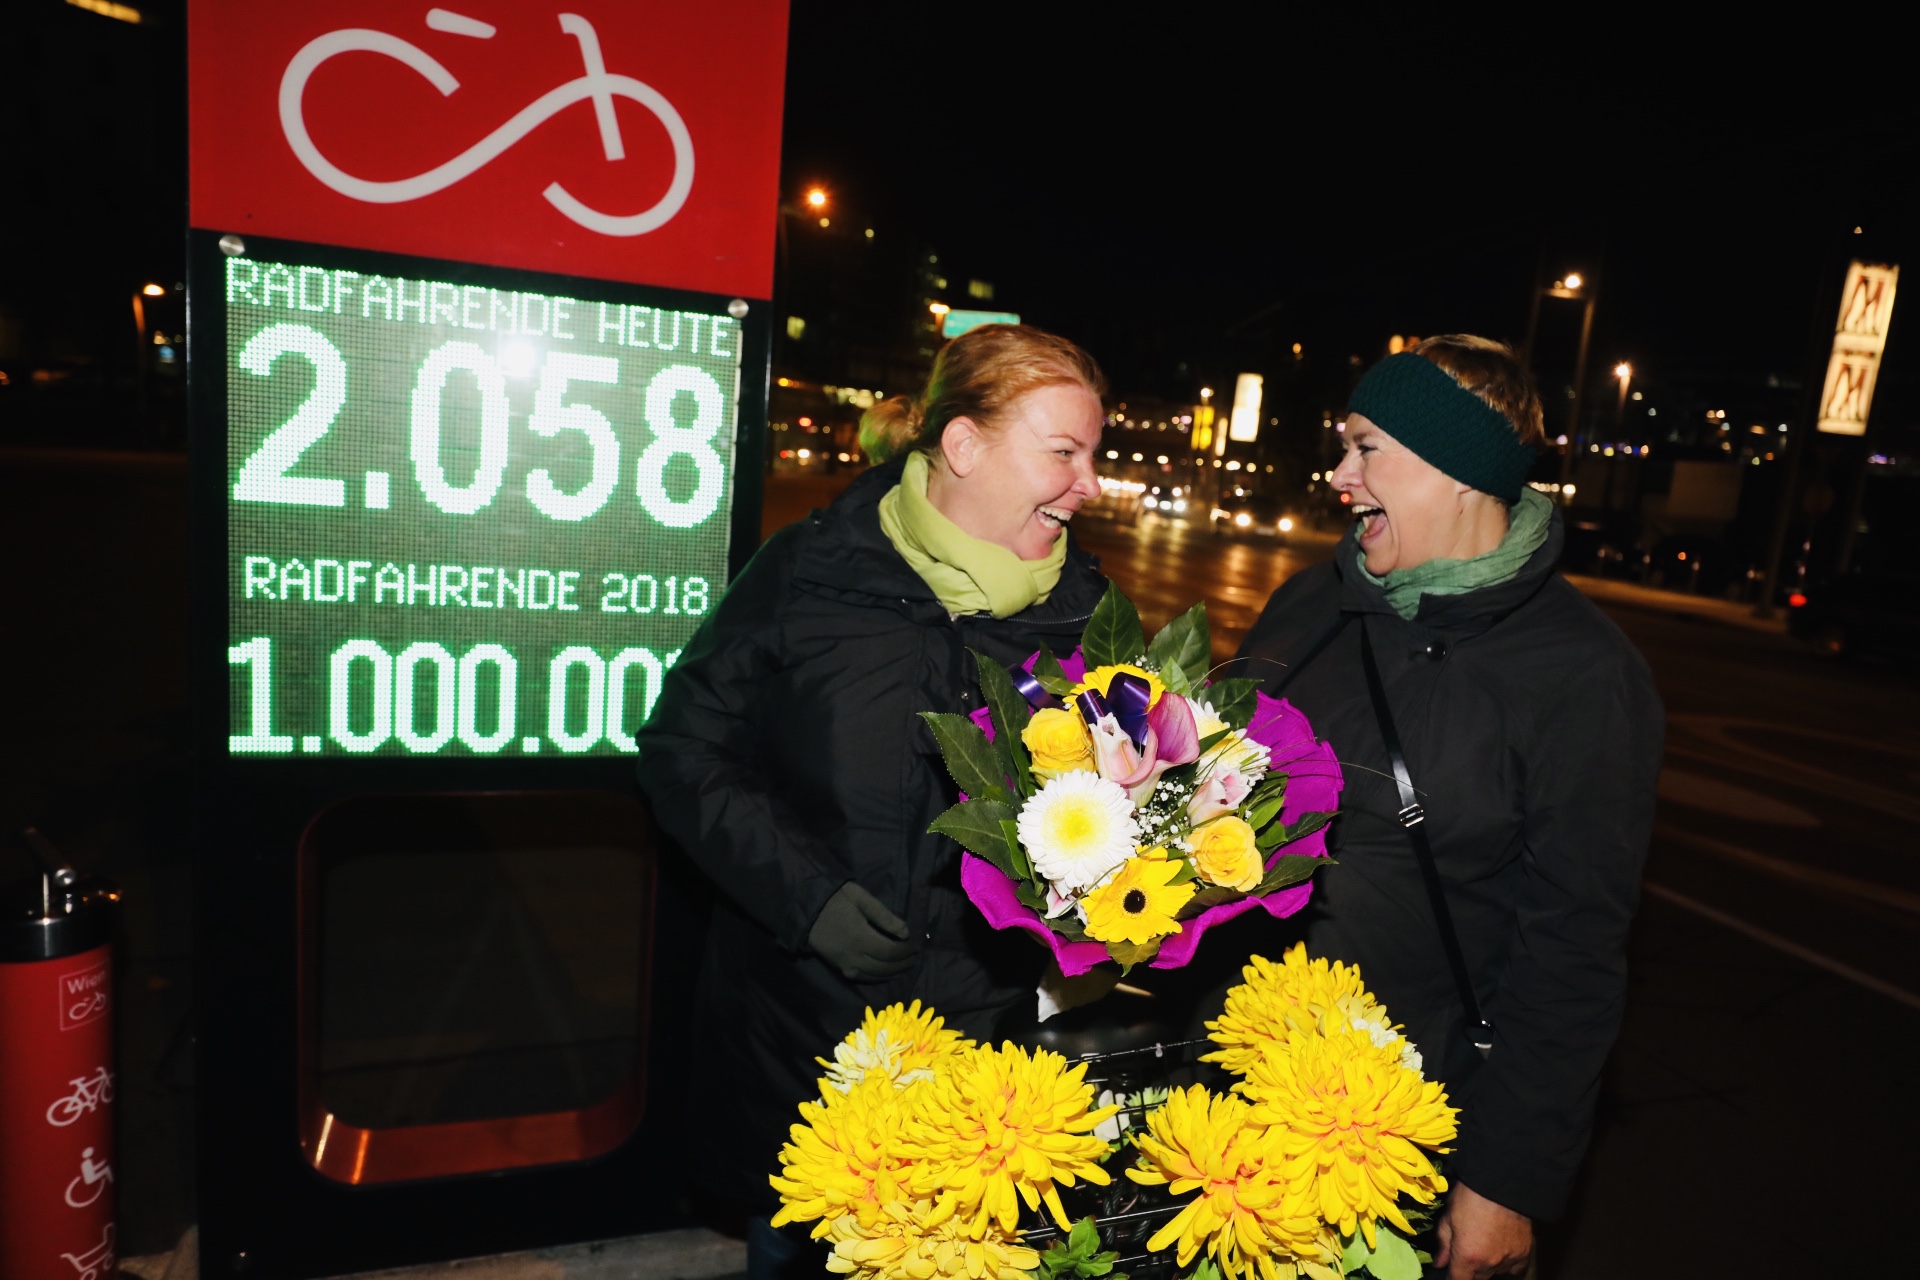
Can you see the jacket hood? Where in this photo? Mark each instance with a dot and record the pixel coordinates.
(1464, 614)
(848, 553)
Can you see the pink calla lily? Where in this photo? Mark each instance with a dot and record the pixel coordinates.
(1171, 721)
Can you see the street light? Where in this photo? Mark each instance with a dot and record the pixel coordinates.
(1574, 281)
(1624, 372)
(817, 198)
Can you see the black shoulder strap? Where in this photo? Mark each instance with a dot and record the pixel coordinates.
(1413, 818)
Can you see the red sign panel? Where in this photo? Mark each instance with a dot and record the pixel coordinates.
(634, 140)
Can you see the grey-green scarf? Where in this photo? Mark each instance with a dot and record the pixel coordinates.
(1527, 525)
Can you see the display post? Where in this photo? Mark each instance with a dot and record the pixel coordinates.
(478, 350)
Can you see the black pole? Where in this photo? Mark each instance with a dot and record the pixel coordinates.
(1827, 280)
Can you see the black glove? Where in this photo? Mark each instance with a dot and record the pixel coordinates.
(857, 935)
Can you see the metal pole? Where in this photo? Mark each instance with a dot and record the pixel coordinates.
(1579, 381)
(1819, 341)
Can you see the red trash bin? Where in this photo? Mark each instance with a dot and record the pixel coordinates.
(57, 1078)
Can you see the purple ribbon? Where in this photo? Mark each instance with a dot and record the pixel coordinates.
(1129, 695)
(1092, 706)
(1031, 689)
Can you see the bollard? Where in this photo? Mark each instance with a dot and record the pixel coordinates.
(56, 1076)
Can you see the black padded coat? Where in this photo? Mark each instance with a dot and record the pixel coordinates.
(786, 756)
(1532, 728)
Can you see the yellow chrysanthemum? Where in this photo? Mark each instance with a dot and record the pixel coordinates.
(1243, 1214)
(998, 1126)
(1136, 904)
(1100, 677)
(1347, 1123)
(898, 1244)
(846, 1157)
(1280, 1001)
(902, 1042)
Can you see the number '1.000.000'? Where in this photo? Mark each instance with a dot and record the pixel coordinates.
(424, 699)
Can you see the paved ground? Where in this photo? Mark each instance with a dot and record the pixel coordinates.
(1754, 1120)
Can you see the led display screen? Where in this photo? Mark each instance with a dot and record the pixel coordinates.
(465, 521)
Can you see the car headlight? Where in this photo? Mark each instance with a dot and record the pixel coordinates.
(1243, 520)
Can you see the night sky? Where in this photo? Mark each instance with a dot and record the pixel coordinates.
(1152, 180)
(1188, 190)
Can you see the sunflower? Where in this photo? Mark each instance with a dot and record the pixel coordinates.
(1102, 677)
(1078, 828)
(902, 1042)
(1347, 1121)
(846, 1157)
(1137, 904)
(998, 1126)
(1295, 996)
(897, 1244)
(1243, 1214)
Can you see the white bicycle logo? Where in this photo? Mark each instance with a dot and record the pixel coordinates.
(88, 1092)
(596, 86)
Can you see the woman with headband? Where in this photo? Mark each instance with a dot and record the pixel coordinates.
(1502, 739)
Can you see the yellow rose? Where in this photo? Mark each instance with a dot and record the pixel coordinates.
(1058, 742)
(1225, 853)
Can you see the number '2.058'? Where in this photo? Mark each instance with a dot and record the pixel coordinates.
(264, 477)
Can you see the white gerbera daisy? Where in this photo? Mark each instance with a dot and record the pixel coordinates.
(1078, 829)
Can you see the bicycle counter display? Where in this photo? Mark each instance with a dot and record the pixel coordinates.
(465, 520)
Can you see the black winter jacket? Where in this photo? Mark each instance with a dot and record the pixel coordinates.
(1533, 732)
(786, 755)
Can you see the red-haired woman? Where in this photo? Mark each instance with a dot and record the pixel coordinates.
(788, 758)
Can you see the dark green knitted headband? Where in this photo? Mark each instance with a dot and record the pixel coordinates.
(1419, 404)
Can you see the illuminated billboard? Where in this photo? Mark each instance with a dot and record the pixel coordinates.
(1859, 337)
(465, 520)
(1244, 426)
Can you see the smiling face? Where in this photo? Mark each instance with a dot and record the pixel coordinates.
(1019, 482)
(1409, 510)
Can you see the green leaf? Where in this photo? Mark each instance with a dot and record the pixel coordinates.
(1393, 1258)
(1274, 784)
(1276, 835)
(1052, 677)
(1077, 1256)
(970, 758)
(1184, 645)
(1213, 740)
(1233, 700)
(1022, 866)
(1010, 716)
(1356, 1253)
(1031, 897)
(976, 825)
(1185, 873)
(1206, 1270)
(1289, 869)
(1113, 633)
(1261, 814)
(1176, 681)
(1211, 895)
(1132, 953)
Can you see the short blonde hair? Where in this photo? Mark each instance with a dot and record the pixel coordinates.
(977, 375)
(1494, 374)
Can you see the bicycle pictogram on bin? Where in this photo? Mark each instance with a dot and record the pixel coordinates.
(89, 1093)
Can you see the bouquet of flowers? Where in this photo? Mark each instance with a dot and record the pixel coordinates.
(1319, 1167)
(922, 1147)
(1118, 802)
(917, 1157)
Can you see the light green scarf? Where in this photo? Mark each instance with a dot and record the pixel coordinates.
(1527, 525)
(969, 575)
